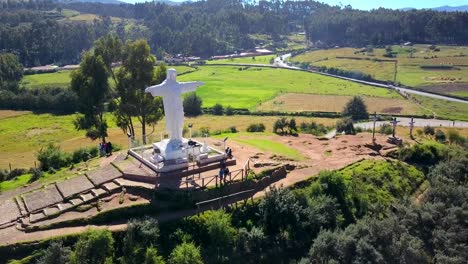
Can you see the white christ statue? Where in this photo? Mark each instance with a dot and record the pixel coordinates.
(171, 90)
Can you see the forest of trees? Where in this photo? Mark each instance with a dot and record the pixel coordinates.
(349, 27)
(211, 27)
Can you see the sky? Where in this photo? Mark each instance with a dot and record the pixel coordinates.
(371, 4)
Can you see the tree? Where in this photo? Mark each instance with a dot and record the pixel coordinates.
(279, 211)
(345, 125)
(220, 232)
(11, 71)
(91, 86)
(140, 235)
(192, 104)
(292, 125)
(280, 124)
(218, 109)
(135, 75)
(152, 257)
(110, 48)
(93, 247)
(56, 253)
(356, 109)
(186, 253)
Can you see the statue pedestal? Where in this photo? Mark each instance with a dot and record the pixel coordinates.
(172, 149)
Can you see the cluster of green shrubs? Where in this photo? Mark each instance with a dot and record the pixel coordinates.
(11, 175)
(260, 127)
(346, 126)
(43, 99)
(428, 153)
(53, 158)
(283, 125)
(344, 73)
(313, 128)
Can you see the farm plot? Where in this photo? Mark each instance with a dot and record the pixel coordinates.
(265, 59)
(449, 64)
(292, 102)
(416, 76)
(444, 109)
(247, 87)
(379, 70)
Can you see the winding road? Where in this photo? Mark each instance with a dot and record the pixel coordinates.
(280, 62)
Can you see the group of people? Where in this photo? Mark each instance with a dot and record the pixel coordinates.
(228, 152)
(105, 149)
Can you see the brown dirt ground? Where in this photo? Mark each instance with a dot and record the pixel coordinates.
(319, 155)
(446, 88)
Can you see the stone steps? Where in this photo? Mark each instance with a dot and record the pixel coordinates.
(21, 206)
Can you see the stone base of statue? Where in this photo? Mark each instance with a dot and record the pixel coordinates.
(171, 155)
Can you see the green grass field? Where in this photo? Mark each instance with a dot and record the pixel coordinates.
(248, 88)
(409, 71)
(444, 109)
(244, 60)
(62, 78)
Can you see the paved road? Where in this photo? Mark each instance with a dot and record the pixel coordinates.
(279, 62)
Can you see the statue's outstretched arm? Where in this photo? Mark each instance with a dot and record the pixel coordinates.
(156, 90)
(190, 86)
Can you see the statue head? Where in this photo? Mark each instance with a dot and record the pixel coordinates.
(171, 74)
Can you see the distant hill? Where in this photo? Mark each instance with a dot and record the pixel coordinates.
(92, 1)
(167, 2)
(463, 8)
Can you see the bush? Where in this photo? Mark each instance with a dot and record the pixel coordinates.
(455, 138)
(313, 128)
(386, 129)
(233, 129)
(256, 128)
(345, 125)
(84, 154)
(229, 111)
(52, 157)
(428, 130)
(192, 104)
(280, 124)
(218, 109)
(35, 174)
(426, 154)
(440, 136)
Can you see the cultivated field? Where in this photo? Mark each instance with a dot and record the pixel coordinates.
(444, 109)
(243, 87)
(265, 59)
(293, 102)
(24, 134)
(409, 62)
